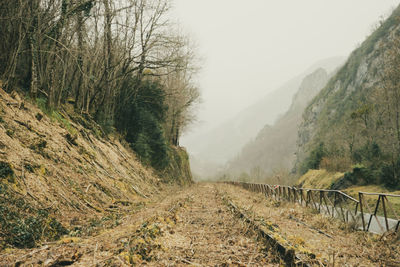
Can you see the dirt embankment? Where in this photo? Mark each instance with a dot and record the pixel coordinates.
(62, 164)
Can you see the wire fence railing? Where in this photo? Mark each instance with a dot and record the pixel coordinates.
(383, 217)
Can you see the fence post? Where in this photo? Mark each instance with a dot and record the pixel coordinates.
(334, 204)
(320, 201)
(294, 195)
(360, 199)
(384, 212)
(376, 210)
(301, 196)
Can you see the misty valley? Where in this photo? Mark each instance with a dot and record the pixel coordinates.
(199, 133)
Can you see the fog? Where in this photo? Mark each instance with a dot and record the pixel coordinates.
(249, 48)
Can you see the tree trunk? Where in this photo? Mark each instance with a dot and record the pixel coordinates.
(80, 94)
(107, 96)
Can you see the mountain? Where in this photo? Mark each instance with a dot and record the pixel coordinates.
(274, 146)
(224, 142)
(353, 124)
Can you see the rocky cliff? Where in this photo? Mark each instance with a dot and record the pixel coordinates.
(348, 122)
(274, 147)
(210, 151)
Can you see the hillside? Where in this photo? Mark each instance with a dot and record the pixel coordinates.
(61, 166)
(224, 142)
(90, 115)
(273, 148)
(351, 125)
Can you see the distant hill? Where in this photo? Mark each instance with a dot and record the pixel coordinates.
(227, 140)
(353, 124)
(274, 146)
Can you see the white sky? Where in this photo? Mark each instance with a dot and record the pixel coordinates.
(250, 47)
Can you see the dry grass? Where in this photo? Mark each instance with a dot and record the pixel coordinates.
(208, 234)
(85, 177)
(177, 228)
(345, 246)
(320, 179)
(192, 226)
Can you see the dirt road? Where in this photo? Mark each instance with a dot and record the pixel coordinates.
(190, 226)
(209, 234)
(196, 226)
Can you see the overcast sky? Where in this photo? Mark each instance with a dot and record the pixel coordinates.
(250, 47)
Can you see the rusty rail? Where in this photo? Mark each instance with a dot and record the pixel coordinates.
(337, 204)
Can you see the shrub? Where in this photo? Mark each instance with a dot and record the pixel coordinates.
(390, 174)
(24, 226)
(313, 161)
(335, 163)
(6, 172)
(141, 121)
(363, 175)
(370, 153)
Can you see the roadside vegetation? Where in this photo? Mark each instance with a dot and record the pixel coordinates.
(122, 63)
(116, 68)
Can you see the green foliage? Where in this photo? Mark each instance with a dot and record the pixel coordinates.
(24, 226)
(6, 172)
(373, 168)
(313, 161)
(370, 153)
(390, 174)
(178, 168)
(362, 175)
(141, 121)
(86, 7)
(105, 121)
(53, 114)
(42, 104)
(368, 170)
